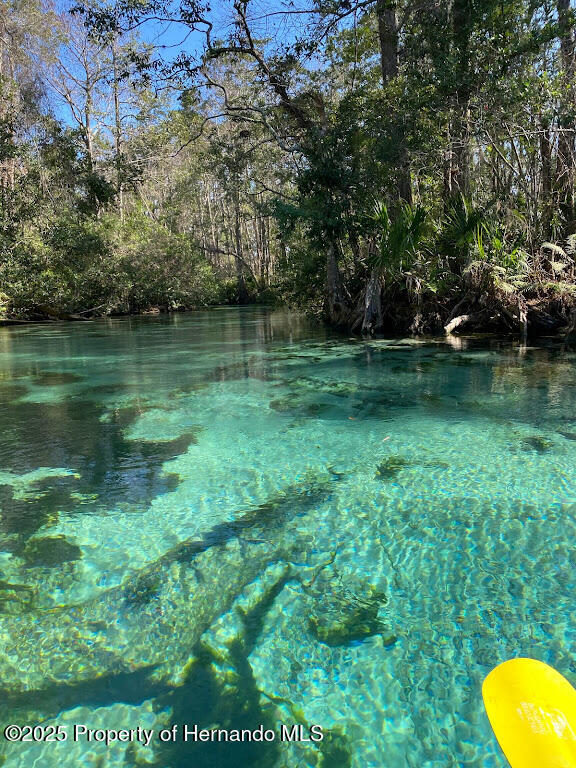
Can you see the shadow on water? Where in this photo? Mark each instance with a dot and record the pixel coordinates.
(227, 701)
(109, 470)
(133, 688)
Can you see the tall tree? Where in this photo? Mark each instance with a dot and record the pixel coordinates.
(566, 165)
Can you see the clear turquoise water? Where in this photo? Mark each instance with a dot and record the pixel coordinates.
(234, 518)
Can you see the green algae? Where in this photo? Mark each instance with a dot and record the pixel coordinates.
(326, 386)
(340, 617)
(50, 551)
(16, 598)
(56, 378)
(537, 443)
(282, 404)
(334, 750)
(143, 589)
(391, 466)
(297, 406)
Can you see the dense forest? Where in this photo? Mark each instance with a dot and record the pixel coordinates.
(392, 166)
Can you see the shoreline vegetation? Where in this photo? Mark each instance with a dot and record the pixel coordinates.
(385, 167)
(546, 316)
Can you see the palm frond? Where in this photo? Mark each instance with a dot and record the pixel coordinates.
(400, 237)
(463, 226)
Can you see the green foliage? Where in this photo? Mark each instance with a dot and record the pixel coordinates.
(400, 237)
(462, 227)
(457, 124)
(391, 466)
(104, 264)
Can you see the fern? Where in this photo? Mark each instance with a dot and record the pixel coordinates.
(558, 266)
(571, 245)
(554, 248)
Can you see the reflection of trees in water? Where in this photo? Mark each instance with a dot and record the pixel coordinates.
(541, 379)
(134, 356)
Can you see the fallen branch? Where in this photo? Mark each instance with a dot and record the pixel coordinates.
(457, 322)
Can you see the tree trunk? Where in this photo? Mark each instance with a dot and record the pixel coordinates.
(373, 303)
(117, 129)
(459, 152)
(388, 42)
(546, 175)
(239, 257)
(566, 163)
(388, 39)
(335, 296)
(8, 101)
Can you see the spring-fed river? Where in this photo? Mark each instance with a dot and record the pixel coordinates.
(236, 519)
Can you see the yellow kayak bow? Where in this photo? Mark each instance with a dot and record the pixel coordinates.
(532, 710)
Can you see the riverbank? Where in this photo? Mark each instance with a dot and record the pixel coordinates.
(548, 314)
(536, 316)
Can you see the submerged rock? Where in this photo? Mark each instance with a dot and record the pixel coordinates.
(390, 467)
(567, 435)
(326, 386)
(341, 617)
(50, 551)
(537, 443)
(16, 598)
(295, 405)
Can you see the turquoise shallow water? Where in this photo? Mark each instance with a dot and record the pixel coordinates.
(234, 518)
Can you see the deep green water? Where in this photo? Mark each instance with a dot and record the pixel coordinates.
(234, 518)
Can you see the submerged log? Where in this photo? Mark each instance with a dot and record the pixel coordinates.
(153, 621)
